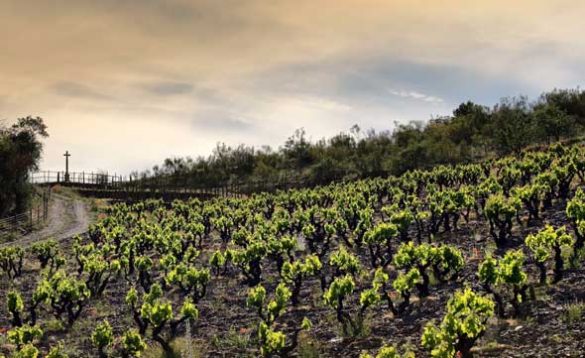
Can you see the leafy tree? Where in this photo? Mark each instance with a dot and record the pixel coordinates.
(341, 262)
(144, 266)
(273, 342)
(20, 153)
(511, 125)
(271, 311)
(552, 123)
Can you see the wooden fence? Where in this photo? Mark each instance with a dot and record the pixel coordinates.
(79, 178)
(170, 187)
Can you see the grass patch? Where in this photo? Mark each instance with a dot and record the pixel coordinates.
(573, 312)
(180, 347)
(235, 339)
(308, 347)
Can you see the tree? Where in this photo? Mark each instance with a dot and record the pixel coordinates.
(511, 125)
(20, 153)
(569, 101)
(552, 123)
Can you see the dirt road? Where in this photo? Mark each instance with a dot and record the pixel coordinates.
(68, 216)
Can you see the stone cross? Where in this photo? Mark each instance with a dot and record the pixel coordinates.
(67, 155)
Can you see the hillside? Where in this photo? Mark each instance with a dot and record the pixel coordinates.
(367, 263)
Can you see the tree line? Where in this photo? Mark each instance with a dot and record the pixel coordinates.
(471, 133)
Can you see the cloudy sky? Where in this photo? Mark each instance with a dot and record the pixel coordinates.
(123, 84)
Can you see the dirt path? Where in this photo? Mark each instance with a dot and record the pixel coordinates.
(68, 216)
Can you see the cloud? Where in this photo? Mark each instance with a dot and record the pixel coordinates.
(168, 88)
(416, 95)
(224, 124)
(77, 90)
(180, 75)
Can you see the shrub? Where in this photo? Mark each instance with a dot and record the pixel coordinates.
(463, 324)
(500, 211)
(542, 243)
(102, 337)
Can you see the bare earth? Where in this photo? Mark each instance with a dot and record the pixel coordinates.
(67, 217)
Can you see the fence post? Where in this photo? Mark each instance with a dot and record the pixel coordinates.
(46, 205)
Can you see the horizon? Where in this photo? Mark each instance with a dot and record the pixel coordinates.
(122, 85)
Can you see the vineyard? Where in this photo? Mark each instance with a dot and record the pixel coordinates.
(470, 260)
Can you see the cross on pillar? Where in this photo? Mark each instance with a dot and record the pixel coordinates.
(66, 155)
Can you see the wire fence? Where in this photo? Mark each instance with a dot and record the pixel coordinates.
(20, 224)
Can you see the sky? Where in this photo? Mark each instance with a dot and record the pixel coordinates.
(124, 84)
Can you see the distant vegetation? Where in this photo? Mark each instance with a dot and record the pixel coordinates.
(20, 152)
(472, 133)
